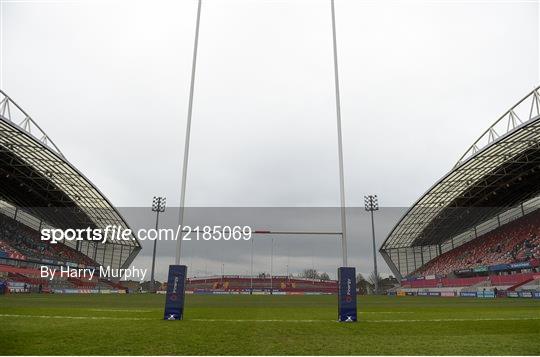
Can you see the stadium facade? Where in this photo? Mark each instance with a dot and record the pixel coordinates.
(495, 182)
(40, 188)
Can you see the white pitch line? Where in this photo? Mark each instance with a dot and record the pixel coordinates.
(385, 312)
(373, 321)
(260, 320)
(268, 320)
(117, 310)
(77, 317)
(459, 320)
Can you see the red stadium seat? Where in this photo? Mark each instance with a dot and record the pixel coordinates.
(516, 241)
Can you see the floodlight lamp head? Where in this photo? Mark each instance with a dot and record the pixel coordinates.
(371, 203)
(375, 202)
(158, 204)
(162, 205)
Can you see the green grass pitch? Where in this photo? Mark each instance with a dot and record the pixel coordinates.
(243, 325)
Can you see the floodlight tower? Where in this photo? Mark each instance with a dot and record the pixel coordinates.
(371, 203)
(158, 206)
(272, 267)
(251, 270)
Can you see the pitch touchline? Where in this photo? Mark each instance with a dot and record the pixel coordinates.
(458, 320)
(372, 321)
(385, 312)
(263, 320)
(259, 320)
(118, 310)
(77, 317)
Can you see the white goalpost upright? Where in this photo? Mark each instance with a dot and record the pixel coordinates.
(339, 140)
(188, 132)
(176, 281)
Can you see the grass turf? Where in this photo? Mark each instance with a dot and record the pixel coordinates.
(243, 325)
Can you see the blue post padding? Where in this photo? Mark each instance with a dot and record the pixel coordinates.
(347, 295)
(176, 290)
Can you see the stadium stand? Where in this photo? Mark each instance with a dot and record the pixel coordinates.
(32, 278)
(236, 283)
(508, 281)
(19, 239)
(8, 252)
(40, 188)
(477, 229)
(514, 242)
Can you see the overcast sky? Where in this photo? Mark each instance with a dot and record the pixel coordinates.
(420, 81)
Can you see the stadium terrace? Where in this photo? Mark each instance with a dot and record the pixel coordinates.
(478, 228)
(56, 197)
